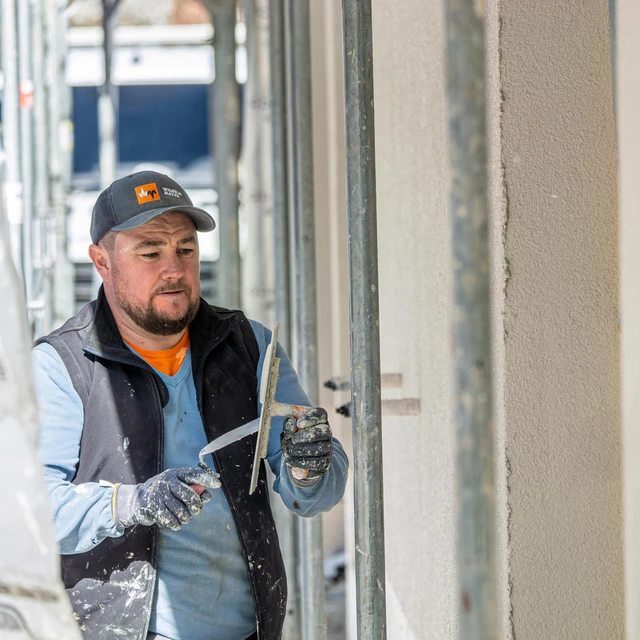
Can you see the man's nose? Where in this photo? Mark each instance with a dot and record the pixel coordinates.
(173, 268)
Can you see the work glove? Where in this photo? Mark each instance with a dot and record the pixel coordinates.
(307, 443)
(166, 500)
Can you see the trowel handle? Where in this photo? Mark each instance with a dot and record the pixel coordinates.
(298, 411)
(284, 409)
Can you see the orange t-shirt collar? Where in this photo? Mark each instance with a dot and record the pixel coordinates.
(168, 361)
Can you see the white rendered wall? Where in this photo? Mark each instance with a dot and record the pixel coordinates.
(414, 254)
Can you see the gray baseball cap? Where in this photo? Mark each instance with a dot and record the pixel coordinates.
(132, 201)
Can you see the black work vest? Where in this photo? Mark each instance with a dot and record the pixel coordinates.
(111, 586)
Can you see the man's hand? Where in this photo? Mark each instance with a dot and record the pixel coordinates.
(166, 500)
(307, 443)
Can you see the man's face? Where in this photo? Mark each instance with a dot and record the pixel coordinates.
(155, 274)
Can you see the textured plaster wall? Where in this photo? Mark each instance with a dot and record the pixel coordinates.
(561, 340)
(414, 255)
(628, 108)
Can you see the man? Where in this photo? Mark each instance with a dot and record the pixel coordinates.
(130, 389)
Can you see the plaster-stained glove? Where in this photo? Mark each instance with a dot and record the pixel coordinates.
(307, 443)
(166, 499)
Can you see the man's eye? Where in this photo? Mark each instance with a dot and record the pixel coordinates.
(185, 252)
(150, 255)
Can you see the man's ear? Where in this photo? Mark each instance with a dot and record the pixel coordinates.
(102, 261)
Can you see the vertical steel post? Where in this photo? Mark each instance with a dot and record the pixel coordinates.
(42, 223)
(287, 522)
(226, 140)
(39, 111)
(65, 132)
(11, 130)
(26, 147)
(257, 262)
(56, 89)
(468, 212)
(364, 314)
(107, 112)
(107, 116)
(279, 169)
(301, 186)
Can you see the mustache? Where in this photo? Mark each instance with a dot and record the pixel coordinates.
(172, 287)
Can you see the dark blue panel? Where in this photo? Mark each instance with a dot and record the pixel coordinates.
(85, 129)
(156, 123)
(165, 123)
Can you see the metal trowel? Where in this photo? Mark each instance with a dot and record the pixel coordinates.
(271, 408)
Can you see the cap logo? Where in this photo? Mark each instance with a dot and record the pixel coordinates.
(147, 193)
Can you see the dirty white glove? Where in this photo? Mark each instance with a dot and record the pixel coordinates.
(165, 500)
(307, 443)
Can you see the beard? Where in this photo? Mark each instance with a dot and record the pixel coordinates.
(153, 321)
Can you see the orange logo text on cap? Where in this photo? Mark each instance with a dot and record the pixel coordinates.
(147, 193)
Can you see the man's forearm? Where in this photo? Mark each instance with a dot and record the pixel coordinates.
(82, 514)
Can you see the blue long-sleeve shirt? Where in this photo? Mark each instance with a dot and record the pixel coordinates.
(202, 579)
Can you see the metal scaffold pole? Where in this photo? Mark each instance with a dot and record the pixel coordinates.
(364, 315)
(279, 172)
(107, 115)
(468, 213)
(11, 130)
(59, 152)
(107, 111)
(257, 263)
(26, 88)
(301, 186)
(287, 522)
(43, 259)
(226, 148)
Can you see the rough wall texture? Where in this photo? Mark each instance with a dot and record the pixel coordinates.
(414, 254)
(561, 342)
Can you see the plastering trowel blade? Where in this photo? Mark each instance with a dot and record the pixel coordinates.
(268, 383)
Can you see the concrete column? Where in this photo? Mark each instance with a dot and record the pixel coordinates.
(556, 320)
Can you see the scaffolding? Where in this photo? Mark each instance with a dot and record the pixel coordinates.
(37, 154)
